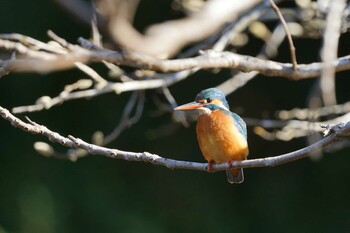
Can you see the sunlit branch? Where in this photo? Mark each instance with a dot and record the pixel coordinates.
(209, 59)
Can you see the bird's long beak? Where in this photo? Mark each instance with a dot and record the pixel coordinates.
(190, 106)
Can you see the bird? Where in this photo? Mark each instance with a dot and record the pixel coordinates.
(221, 134)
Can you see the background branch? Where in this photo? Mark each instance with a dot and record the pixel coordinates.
(167, 38)
(209, 59)
(330, 51)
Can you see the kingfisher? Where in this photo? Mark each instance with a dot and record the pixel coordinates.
(221, 134)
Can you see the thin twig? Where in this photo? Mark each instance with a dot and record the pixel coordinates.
(289, 36)
(92, 73)
(137, 98)
(32, 43)
(306, 113)
(47, 102)
(288, 130)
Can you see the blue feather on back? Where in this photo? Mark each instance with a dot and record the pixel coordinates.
(240, 124)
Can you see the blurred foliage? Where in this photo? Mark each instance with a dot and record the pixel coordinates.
(97, 194)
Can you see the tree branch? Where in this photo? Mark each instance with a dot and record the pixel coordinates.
(167, 38)
(209, 59)
(330, 51)
(47, 102)
(289, 129)
(335, 133)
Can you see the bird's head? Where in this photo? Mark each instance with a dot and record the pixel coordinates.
(207, 101)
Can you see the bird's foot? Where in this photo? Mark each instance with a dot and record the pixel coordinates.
(210, 166)
(230, 164)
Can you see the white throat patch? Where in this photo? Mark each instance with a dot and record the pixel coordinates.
(203, 111)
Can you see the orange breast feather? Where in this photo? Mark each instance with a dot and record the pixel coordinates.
(219, 139)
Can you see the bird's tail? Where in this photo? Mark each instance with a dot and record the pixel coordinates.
(235, 176)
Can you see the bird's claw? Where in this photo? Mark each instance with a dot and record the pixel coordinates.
(210, 166)
(230, 164)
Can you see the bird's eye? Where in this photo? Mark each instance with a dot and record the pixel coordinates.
(209, 100)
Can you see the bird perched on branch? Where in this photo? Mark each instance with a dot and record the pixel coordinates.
(221, 134)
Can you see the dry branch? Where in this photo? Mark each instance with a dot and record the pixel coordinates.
(47, 102)
(334, 133)
(209, 59)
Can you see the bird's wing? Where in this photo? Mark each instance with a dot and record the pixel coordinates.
(240, 124)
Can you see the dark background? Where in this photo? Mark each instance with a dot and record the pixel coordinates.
(97, 194)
